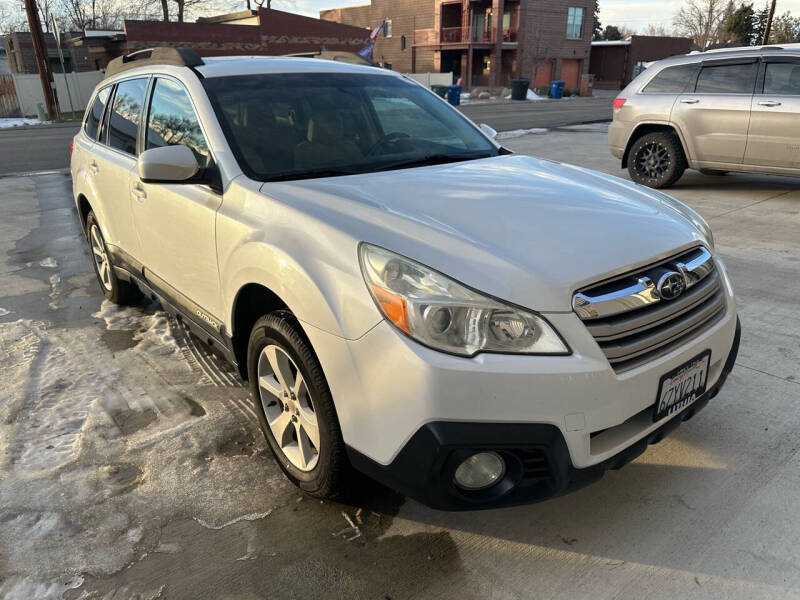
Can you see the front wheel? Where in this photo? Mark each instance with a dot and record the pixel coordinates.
(294, 405)
(656, 160)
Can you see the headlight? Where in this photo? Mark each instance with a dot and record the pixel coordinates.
(447, 316)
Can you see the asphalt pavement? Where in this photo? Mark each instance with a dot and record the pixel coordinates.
(509, 115)
(132, 465)
(46, 147)
(35, 148)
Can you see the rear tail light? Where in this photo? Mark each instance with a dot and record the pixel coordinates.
(71, 146)
(619, 103)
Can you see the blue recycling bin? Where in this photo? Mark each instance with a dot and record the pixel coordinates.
(454, 95)
(557, 89)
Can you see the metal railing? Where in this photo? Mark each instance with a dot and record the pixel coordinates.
(459, 35)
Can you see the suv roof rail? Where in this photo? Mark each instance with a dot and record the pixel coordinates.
(179, 57)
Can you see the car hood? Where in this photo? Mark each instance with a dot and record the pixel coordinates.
(526, 230)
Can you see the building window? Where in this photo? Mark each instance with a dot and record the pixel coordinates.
(575, 17)
(387, 28)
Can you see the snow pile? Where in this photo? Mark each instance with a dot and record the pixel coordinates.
(505, 135)
(531, 95)
(99, 450)
(5, 123)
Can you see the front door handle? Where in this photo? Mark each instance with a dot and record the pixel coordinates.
(139, 193)
(690, 101)
(770, 103)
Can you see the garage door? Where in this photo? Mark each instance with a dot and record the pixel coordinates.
(543, 74)
(570, 72)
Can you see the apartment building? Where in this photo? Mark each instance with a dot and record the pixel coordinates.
(485, 42)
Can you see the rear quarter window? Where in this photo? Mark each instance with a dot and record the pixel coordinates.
(96, 113)
(673, 80)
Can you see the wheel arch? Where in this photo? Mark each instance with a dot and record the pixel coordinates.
(252, 301)
(84, 208)
(646, 128)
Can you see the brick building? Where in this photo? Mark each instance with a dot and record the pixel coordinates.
(486, 42)
(22, 59)
(260, 32)
(614, 64)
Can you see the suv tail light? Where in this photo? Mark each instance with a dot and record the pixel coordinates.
(71, 146)
(619, 103)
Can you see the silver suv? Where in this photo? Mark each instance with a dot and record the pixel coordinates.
(717, 111)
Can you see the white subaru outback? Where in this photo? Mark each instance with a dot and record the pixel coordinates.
(404, 296)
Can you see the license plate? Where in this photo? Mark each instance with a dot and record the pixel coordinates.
(682, 386)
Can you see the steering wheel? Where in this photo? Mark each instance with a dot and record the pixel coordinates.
(385, 140)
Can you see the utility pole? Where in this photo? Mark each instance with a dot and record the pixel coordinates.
(40, 50)
(768, 28)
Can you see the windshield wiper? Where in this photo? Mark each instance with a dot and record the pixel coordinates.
(428, 160)
(295, 175)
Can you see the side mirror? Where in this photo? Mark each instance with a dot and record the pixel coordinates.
(488, 131)
(169, 164)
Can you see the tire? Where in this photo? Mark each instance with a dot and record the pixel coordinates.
(713, 172)
(115, 290)
(657, 160)
(322, 471)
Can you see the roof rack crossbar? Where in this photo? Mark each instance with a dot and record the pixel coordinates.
(179, 57)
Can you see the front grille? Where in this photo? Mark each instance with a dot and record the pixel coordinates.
(634, 323)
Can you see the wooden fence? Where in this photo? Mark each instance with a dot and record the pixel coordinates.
(9, 104)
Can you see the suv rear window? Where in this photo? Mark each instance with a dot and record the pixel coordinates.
(727, 79)
(126, 113)
(93, 119)
(673, 80)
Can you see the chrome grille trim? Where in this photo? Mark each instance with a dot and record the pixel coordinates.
(694, 265)
(630, 331)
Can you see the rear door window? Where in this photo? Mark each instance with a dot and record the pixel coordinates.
(673, 80)
(727, 79)
(126, 111)
(782, 79)
(96, 113)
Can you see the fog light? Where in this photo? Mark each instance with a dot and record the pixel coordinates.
(480, 471)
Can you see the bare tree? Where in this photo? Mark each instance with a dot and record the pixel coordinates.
(704, 20)
(659, 30)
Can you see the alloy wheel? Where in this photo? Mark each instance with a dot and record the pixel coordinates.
(100, 257)
(653, 160)
(288, 407)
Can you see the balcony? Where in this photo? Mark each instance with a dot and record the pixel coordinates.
(460, 35)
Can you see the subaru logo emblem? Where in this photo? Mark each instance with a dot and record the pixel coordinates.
(671, 285)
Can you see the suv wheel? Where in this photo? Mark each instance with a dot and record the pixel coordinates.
(657, 160)
(294, 405)
(118, 292)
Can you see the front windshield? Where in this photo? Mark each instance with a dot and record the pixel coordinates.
(300, 125)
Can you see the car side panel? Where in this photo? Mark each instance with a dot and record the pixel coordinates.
(307, 264)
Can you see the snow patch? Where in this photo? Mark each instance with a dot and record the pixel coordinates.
(48, 262)
(250, 517)
(514, 133)
(4, 312)
(5, 123)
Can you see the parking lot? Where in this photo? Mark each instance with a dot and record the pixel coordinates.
(132, 466)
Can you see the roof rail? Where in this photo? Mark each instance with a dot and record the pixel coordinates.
(179, 57)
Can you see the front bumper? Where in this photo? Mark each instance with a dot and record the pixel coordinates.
(537, 455)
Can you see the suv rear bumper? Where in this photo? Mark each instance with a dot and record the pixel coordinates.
(536, 454)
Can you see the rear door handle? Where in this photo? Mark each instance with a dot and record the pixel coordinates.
(139, 193)
(690, 101)
(771, 103)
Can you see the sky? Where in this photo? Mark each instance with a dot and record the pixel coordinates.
(635, 14)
